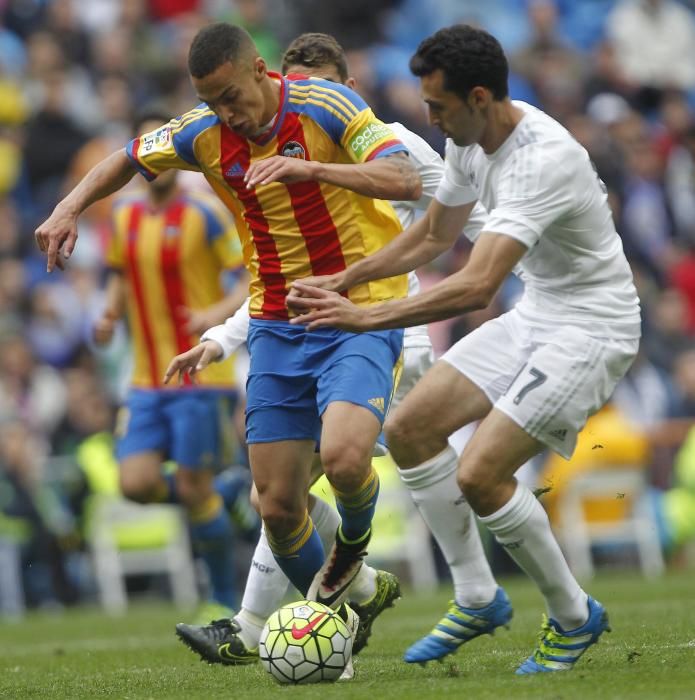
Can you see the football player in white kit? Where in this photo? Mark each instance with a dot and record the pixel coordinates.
(533, 375)
(236, 641)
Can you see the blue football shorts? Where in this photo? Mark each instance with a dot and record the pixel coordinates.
(192, 427)
(295, 373)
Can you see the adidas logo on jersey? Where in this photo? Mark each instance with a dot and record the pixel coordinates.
(378, 403)
(234, 171)
(559, 433)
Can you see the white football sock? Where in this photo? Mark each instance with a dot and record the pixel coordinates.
(437, 496)
(266, 585)
(326, 520)
(251, 627)
(521, 526)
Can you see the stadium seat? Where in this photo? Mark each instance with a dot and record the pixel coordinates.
(127, 539)
(608, 506)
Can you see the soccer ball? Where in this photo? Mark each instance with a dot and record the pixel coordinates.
(305, 642)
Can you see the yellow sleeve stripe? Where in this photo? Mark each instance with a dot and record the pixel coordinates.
(191, 117)
(317, 99)
(349, 106)
(328, 96)
(328, 108)
(331, 96)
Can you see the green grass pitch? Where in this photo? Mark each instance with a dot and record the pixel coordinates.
(84, 654)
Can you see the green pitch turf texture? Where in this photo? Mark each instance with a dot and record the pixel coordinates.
(85, 654)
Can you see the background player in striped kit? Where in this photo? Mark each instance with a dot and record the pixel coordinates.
(167, 254)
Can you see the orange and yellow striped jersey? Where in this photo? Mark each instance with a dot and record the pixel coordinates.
(289, 231)
(171, 258)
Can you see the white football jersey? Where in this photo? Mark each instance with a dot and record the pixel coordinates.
(540, 188)
(430, 167)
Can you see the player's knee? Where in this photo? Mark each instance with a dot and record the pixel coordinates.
(193, 487)
(280, 520)
(398, 436)
(474, 484)
(134, 486)
(409, 439)
(346, 463)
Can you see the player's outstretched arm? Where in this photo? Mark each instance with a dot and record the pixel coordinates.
(59, 232)
(392, 177)
(493, 257)
(422, 242)
(193, 361)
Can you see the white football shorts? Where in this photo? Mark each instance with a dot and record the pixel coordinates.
(547, 379)
(416, 361)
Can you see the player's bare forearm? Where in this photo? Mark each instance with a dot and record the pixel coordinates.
(473, 287)
(103, 179)
(404, 253)
(115, 295)
(114, 309)
(422, 242)
(493, 257)
(419, 244)
(218, 313)
(392, 177)
(198, 321)
(451, 297)
(455, 295)
(231, 302)
(59, 232)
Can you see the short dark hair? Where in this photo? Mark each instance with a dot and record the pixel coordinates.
(316, 50)
(467, 56)
(216, 44)
(150, 113)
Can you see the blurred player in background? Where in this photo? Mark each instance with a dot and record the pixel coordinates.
(236, 641)
(279, 153)
(166, 258)
(533, 375)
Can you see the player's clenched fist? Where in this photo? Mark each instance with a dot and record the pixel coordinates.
(193, 361)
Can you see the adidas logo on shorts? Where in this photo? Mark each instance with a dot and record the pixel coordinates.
(378, 403)
(559, 433)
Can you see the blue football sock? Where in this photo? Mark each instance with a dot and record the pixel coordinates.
(300, 554)
(357, 508)
(234, 485)
(213, 538)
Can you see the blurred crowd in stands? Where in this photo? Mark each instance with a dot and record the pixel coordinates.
(620, 75)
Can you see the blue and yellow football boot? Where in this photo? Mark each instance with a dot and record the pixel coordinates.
(558, 649)
(458, 626)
